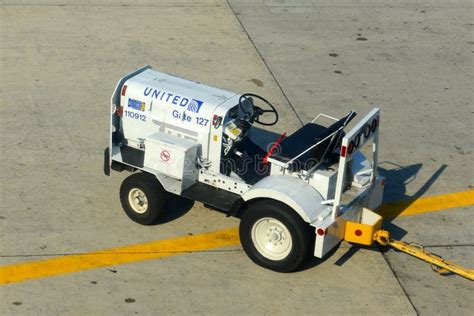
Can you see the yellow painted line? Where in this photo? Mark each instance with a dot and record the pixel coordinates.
(110, 257)
(427, 204)
(164, 248)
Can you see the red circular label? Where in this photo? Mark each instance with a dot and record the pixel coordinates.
(165, 155)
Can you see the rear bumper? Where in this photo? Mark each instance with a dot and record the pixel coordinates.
(335, 230)
(363, 232)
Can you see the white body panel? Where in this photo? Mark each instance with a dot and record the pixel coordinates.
(334, 235)
(173, 156)
(297, 194)
(223, 182)
(164, 112)
(375, 196)
(324, 181)
(157, 101)
(114, 103)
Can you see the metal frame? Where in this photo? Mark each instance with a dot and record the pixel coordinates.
(321, 114)
(350, 136)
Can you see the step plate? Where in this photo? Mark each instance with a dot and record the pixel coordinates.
(219, 199)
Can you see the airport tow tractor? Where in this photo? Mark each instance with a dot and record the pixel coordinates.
(295, 195)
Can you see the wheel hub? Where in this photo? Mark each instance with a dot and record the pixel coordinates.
(275, 234)
(271, 238)
(138, 201)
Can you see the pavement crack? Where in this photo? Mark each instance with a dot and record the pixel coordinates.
(265, 63)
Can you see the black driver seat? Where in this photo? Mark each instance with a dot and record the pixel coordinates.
(307, 136)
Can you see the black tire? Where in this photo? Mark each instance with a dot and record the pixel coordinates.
(300, 232)
(152, 190)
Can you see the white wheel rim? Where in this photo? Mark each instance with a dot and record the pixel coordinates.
(271, 238)
(137, 200)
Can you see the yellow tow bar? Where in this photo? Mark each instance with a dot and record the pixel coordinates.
(438, 264)
(368, 229)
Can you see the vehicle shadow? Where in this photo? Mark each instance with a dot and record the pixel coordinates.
(312, 261)
(397, 178)
(176, 206)
(396, 181)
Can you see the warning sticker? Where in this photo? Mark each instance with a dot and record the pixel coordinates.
(165, 155)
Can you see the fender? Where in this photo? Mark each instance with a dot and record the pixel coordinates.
(294, 192)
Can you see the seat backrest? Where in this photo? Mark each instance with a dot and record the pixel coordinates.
(328, 146)
(307, 136)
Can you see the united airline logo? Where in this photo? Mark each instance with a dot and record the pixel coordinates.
(192, 105)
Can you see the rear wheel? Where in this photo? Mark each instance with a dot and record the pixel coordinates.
(274, 236)
(143, 198)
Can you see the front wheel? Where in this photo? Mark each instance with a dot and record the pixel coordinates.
(274, 236)
(143, 198)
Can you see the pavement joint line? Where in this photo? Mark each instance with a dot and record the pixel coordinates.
(362, 6)
(120, 253)
(203, 242)
(132, 253)
(265, 63)
(389, 265)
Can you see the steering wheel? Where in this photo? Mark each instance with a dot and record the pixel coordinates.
(257, 111)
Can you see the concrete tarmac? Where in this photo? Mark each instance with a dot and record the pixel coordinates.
(60, 61)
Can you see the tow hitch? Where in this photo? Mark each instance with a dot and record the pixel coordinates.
(438, 264)
(368, 231)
